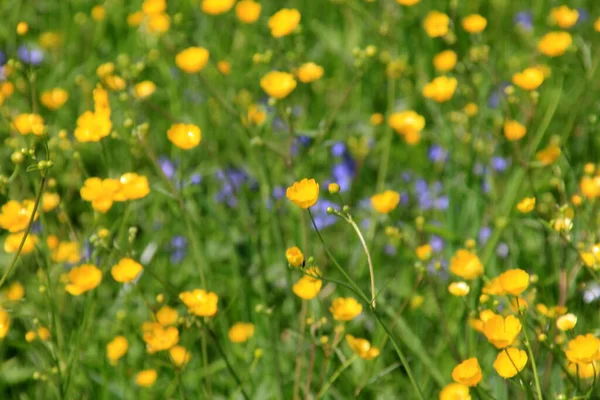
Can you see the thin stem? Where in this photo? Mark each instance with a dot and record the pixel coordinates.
(300, 355)
(536, 378)
(364, 245)
(229, 366)
(335, 375)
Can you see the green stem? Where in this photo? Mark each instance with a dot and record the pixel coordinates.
(366, 249)
(229, 366)
(536, 378)
(335, 375)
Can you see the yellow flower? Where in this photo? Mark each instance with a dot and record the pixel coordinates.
(529, 78)
(92, 127)
(554, 44)
(304, 194)
(50, 201)
(43, 333)
(200, 302)
(100, 192)
(278, 84)
(508, 359)
(345, 308)
(584, 349)
(216, 7)
(126, 270)
(15, 216)
(459, 289)
(50, 40)
(256, 115)
(144, 89)
(309, 72)
(526, 205)
(597, 25)
(376, 119)
(15, 291)
(105, 70)
(440, 89)
(179, 355)
(83, 278)
(154, 6)
(308, 286)
(224, 67)
(468, 372)
(98, 13)
(185, 136)
(566, 322)
(466, 264)
(590, 186)
(471, 109)
(386, 201)
(192, 59)
(159, 23)
(116, 349)
(29, 123)
(513, 130)
(167, 316)
(445, 61)
(4, 323)
(474, 23)
(54, 98)
(284, 21)
(564, 16)
(407, 2)
(30, 336)
(407, 123)
(13, 241)
(548, 155)
(333, 188)
(514, 281)
(146, 378)
(436, 24)
(101, 103)
(584, 370)
(248, 11)
(424, 252)
(159, 338)
(455, 391)
(66, 252)
(22, 28)
(135, 19)
(294, 256)
(362, 347)
(132, 187)
(502, 331)
(241, 332)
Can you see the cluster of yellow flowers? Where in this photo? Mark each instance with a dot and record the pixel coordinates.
(15, 217)
(102, 193)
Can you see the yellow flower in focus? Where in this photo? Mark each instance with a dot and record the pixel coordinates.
(468, 372)
(53, 99)
(185, 136)
(294, 257)
(459, 289)
(564, 16)
(192, 59)
(455, 391)
(4, 323)
(92, 127)
(167, 316)
(309, 72)
(548, 155)
(466, 264)
(566, 322)
(440, 89)
(386, 201)
(13, 241)
(50, 201)
(308, 286)
(278, 84)
(144, 89)
(98, 13)
(179, 355)
(159, 338)
(529, 78)
(513, 130)
(502, 331)
(362, 347)
(304, 194)
(554, 44)
(132, 187)
(248, 11)
(28, 123)
(345, 308)
(284, 21)
(508, 359)
(126, 270)
(583, 349)
(240, 332)
(407, 123)
(474, 23)
(445, 61)
(200, 302)
(407, 2)
(526, 205)
(256, 115)
(216, 7)
(66, 252)
(146, 378)
(15, 291)
(100, 192)
(15, 216)
(83, 278)
(436, 24)
(116, 349)
(514, 281)
(424, 252)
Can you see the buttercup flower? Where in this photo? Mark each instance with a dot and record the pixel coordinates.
(241, 332)
(513, 130)
(179, 355)
(440, 89)
(247, 11)
(564, 16)
(50, 201)
(445, 61)
(294, 256)
(526, 205)
(468, 372)
(459, 289)
(362, 347)
(309, 72)
(584, 370)
(514, 281)
(474, 23)
(566, 322)
(590, 186)
(304, 194)
(284, 21)
(584, 349)
(146, 378)
(159, 338)
(345, 308)
(502, 331)
(167, 316)
(100, 192)
(144, 89)
(192, 59)
(278, 84)
(66, 251)
(54, 99)
(216, 7)
(13, 241)
(28, 123)
(408, 124)
(466, 264)
(83, 278)
(4, 323)
(15, 216)
(554, 44)
(308, 286)
(455, 391)
(200, 302)
(508, 359)
(408, 2)
(385, 202)
(548, 155)
(436, 24)
(15, 291)
(185, 136)
(116, 349)
(92, 127)
(424, 252)
(150, 7)
(132, 187)
(529, 78)
(126, 270)
(256, 115)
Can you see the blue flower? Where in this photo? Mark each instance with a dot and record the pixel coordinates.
(484, 234)
(524, 20)
(436, 243)
(178, 249)
(32, 56)
(502, 250)
(278, 192)
(499, 164)
(437, 154)
(167, 166)
(338, 149)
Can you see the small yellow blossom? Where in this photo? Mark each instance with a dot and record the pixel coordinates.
(13, 241)
(513, 130)
(200, 302)
(345, 308)
(15, 291)
(362, 347)
(100, 192)
(564, 16)
(167, 316)
(192, 59)
(50, 201)
(159, 338)
(304, 194)
(441, 89)
(240, 332)
(126, 270)
(146, 378)
(144, 89)
(474, 23)
(248, 11)
(514, 281)
(308, 286)
(385, 202)
(529, 78)
(284, 21)
(584, 349)
(185, 136)
(548, 155)
(468, 372)
(408, 124)
(459, 289)
(424, 252)
(179, 355)
(294, 256)
(216, 7)
(554, 44)
(466, 264)
(502, 331)
(4, 323)
(83, 278)
(526, 205)
(455, 391)
(116, 349)
(309, 72)
(436, 24)
(26, 124)
(278, 84)
(566, 322)
(376, 119)
(445, 61)
(508, 359)
(54, 99)
(15, 216)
